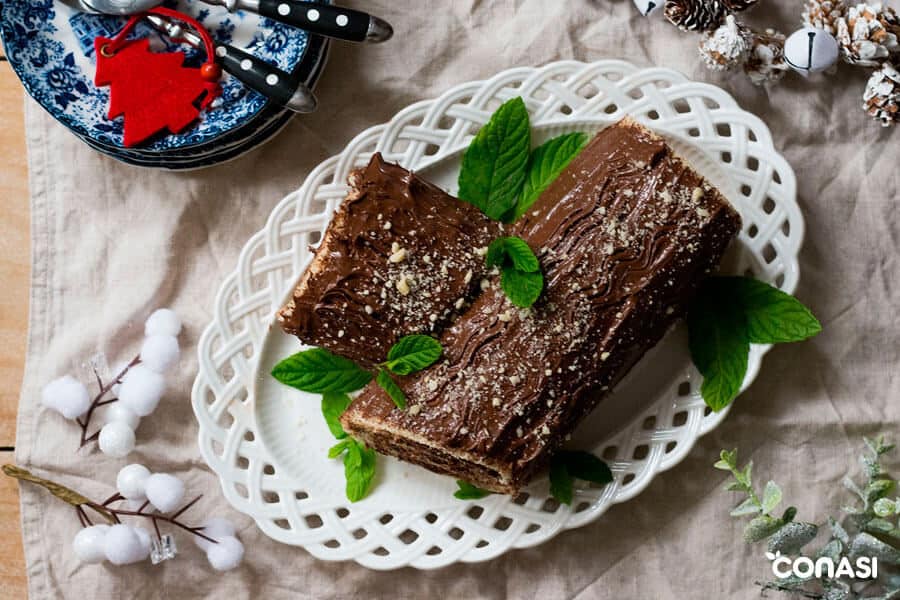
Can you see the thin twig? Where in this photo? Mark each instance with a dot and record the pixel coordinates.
(98, 400)
(187, 506)
(171, 519)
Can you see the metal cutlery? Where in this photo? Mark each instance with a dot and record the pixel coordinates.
(315, 17)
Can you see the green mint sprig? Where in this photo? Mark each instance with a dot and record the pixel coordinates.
(501, 175)
(567, 465)
(520, 271)
(728, 315)
(318, 371)
(467, 491)
(495, 164)
(359, 467)
(333, 406)
(546, 163)
(409, 355)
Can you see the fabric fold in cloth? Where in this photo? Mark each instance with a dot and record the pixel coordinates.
(113, 242)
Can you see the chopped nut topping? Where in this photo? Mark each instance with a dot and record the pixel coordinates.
(495, 401)
(341, 333)
(545, 430)
(459, 303)
(481, 251)
(403, 285)
(505, 316)
(399, 255)
(514, 379)
(697, 194)
(368, 309)
(468, 277)
(604, 356)
(386, 226)
(548, 372)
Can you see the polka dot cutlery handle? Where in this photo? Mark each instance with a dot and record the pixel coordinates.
(328, 20)
(270, 81)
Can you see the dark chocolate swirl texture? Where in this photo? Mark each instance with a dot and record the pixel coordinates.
(624, 236)
(400, 256)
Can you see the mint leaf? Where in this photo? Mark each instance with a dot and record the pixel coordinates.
(333, 406)
(585, 466)
(413, 353)
(387, 383)
(359, 470)
(719, 346)
(317, 371)
(520, 271)
(339, 448)
(561, 483)
(522, 289)
(773, 317)
(467, 491)
(512, 251)
(494, 166)
(546, 163)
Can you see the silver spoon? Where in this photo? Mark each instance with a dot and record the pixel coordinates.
(315, 17)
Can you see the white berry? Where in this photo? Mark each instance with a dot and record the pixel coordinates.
(215, 528)
(118, 412)
(144, 538)
(132, 481)
(164, 491)
(122, 545)
(88, 544)
(66, 395)
(141, 390)
(116, 439)
(225, 555)
(160, 352)
(163, 322)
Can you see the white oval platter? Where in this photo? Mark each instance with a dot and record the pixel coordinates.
(268, 443)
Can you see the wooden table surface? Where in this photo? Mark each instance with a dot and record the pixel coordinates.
(14, 273)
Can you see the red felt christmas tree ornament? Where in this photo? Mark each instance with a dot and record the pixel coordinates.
(154, 91)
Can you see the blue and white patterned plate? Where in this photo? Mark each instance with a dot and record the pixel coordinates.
(50, 46)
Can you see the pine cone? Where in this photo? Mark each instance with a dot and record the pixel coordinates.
(695, 15)
(739, 5)
(882, 96)
(765, 62)
(823, 14)
(868, 35)
(727, 46)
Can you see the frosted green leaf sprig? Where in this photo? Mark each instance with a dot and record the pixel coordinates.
(867, 529)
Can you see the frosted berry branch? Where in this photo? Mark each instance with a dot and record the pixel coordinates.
(159, 499)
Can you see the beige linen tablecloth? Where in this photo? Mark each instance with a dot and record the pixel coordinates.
(112, 242)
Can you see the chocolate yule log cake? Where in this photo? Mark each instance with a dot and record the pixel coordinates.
(400, 256)
(624, 235)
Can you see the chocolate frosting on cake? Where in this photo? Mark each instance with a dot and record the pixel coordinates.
(624, 235)
(400, 256)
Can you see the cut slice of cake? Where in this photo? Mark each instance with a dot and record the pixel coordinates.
(624, 235)
(400, 256)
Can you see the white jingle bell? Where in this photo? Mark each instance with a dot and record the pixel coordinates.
(810, 50)
(648, 7)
